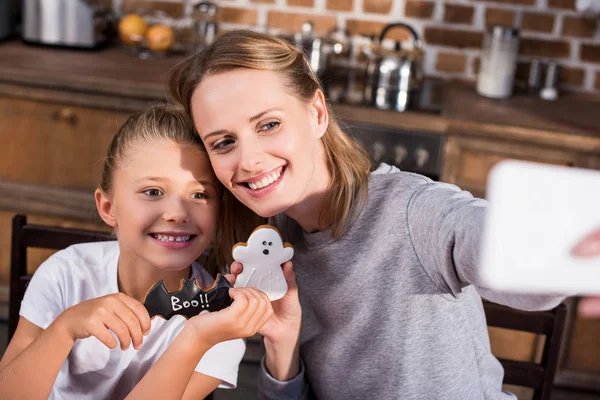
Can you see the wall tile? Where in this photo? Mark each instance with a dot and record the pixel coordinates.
(453, 37)
(564, 4)
(339, 5)
(499, 16)
(377, 6)
(294, 21)
(451, 62)
(458, 14)
(242, 16)
(544, 48)
(590, 52)
(519, 2)
(537, 22)
(579, 27)
(419, 9)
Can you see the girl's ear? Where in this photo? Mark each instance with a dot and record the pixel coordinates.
(320, 116)
(105, 208)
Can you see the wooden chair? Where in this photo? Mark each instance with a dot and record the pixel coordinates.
(25, 236)
(549, 323)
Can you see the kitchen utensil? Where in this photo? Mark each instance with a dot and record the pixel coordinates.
(392, 77)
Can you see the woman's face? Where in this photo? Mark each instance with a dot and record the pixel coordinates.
(264, 143)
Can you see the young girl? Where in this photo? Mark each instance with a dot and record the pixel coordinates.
(84, 333)
(386, 261)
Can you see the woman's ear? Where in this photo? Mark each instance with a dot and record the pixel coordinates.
(318, 108)
(105, 207)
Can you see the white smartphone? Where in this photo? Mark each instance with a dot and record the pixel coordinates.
(542, 229)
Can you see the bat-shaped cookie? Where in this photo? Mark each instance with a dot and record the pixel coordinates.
(262, 257)
(188, 301)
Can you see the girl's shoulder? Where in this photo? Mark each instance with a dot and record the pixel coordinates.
(95, 256)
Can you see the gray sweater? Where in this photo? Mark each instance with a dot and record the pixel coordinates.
(392, 310)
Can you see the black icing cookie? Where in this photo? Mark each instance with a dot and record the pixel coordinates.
(188, 301)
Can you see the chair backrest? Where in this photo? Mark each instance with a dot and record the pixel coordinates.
(37, 236)
(551, 324)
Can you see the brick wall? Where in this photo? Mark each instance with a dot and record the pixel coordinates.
(452, 29)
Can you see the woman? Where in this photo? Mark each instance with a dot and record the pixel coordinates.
(385, 261)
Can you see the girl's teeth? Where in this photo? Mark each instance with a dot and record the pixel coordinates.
(266, 181)
(166, 238)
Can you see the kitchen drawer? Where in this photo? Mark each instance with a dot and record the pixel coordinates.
(468, 161)
(54, 144)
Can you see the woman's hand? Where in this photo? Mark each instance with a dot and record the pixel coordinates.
(122, 314)
(287, 318)
(282, 331)
(249, 312)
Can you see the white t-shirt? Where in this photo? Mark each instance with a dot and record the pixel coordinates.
(92, 370)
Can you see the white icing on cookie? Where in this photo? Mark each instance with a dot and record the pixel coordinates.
(262, 257)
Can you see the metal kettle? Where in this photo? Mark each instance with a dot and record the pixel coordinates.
(394, 77)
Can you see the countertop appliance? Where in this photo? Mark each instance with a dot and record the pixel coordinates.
(71, 23)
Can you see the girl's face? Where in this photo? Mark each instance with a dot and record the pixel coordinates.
(264, 143)
(163, 205)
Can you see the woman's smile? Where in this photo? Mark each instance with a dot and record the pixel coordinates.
(263, 184)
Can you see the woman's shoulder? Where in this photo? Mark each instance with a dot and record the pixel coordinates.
(388, 179)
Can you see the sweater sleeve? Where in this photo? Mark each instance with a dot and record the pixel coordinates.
(446, 226)
(270, 388)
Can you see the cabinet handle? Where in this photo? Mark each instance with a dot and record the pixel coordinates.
(65, 115)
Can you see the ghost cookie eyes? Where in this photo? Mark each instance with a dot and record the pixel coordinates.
(262, 257)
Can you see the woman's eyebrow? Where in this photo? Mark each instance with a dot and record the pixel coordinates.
(260, 114)
(252, 119)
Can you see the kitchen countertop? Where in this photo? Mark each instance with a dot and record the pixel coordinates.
(112, 78)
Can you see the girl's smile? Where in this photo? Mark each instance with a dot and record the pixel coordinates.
(164, 205)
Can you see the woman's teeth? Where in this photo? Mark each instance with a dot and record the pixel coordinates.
(266, 181)
(167, 238)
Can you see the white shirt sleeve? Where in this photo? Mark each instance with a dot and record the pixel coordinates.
(222, 361)
(43, 300)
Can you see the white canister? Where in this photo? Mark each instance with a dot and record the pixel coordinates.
(498, 62)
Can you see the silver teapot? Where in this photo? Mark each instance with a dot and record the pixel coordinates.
(394, 77)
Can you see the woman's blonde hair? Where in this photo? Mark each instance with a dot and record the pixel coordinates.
(156, 123)
(347, 161)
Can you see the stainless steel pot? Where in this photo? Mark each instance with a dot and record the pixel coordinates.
(318, 49)
(393, 77)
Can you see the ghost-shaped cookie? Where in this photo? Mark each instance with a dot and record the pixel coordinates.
(262, 257)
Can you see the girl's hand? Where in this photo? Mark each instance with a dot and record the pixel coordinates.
(250, 310)
(286, 321)
(122, 314)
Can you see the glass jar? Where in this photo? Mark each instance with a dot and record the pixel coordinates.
(498, 62)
